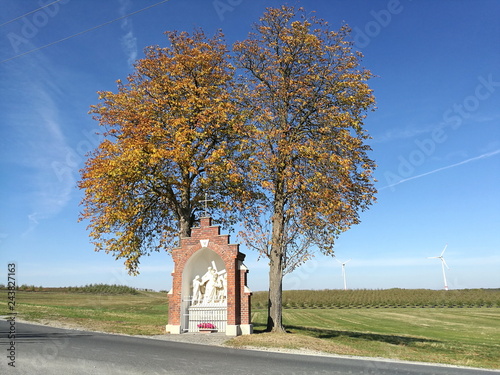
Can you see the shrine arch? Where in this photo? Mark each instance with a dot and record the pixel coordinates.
(198, 264)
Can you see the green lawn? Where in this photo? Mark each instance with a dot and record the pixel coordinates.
(145, 313)
(460, 336)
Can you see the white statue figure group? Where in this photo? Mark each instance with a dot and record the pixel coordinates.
(211, 288)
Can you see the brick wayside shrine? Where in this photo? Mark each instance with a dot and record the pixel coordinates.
(209, 287)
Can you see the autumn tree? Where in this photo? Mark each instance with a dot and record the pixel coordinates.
(308, 97)
(171, 135)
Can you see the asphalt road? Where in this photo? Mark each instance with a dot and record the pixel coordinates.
(46, 350)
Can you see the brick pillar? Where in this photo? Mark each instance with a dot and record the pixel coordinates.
(245, 304)
(231, 297)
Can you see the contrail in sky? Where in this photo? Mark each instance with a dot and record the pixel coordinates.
(483, 156)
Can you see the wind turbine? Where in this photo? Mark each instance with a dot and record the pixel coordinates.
(443, 264)
(343, 270)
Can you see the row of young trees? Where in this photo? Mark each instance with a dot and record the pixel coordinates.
(24, 287)
(272, 130)
(367, 298)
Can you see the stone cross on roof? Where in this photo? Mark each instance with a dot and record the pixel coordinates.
(205, 201)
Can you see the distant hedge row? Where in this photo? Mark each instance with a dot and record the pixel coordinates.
(89, 288)
(103, 289)
(386, 298)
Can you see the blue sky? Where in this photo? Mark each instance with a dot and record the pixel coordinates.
(436, 136)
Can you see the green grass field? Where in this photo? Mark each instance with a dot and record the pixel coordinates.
(468, 336)
(462, 336)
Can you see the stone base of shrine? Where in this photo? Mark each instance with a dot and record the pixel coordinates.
(173, 329)
(246, 329)
(239, 329)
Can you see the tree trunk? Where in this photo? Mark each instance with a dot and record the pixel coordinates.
(186, 219)
(275, 305)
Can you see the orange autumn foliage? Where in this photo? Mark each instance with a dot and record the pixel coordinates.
(171, 135)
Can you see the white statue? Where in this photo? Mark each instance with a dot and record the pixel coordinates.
(211, 288)
(221, 286)
(198, 290)
(209, 280)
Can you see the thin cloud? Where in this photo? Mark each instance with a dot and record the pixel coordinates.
(483, 156)
(409, 131)
(129, 41)
(399, 133)
(38, 123)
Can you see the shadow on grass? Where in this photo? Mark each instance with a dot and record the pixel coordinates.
(322, 333)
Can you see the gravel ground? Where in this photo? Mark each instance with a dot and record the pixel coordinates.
(217, 339)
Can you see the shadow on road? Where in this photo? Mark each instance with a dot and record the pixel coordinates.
(38, 337)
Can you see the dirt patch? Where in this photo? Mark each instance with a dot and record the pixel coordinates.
(286, 342)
